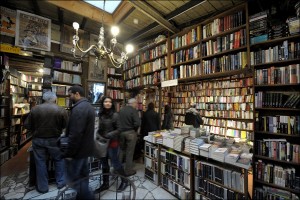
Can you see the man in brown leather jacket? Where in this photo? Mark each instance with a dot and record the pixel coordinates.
(46, 122)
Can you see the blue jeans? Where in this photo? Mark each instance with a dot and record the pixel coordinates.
(42, 147)
(78, 169)
(114, 158)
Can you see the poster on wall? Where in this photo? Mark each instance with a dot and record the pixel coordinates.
(33, 31)
(8, 21)
(97, 69)
(66, 43)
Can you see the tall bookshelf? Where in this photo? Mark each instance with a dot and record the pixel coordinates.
(132, 73)
(277, 119)
(115, 86)
(65, 73)
(5, 113)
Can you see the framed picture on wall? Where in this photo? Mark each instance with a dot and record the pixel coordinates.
(95, 91)
(33, 31)
(97, 69)
(8, 21)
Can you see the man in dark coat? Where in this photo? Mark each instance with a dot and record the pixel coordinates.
(150, 120)
(80, 132)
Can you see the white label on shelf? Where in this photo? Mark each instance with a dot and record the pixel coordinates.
(169, 83)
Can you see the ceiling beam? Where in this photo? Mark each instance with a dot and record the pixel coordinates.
(83, 23)
(122, 12)
(171, 15)
(85, 10)
(153, 14)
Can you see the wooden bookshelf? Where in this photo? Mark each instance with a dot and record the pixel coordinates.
(68, 71)
(277, 161)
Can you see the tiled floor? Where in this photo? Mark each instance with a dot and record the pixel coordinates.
(16, 185)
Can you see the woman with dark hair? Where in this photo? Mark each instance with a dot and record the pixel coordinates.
(109, 128)
(168, 118)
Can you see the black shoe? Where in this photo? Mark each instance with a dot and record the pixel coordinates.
(130, 173)
(123, 186)
(61, 186)
(43, 192)
(103, 187)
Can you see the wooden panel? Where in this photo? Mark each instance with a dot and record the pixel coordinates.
(48, 10)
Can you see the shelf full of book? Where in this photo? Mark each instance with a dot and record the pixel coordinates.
(277, 120)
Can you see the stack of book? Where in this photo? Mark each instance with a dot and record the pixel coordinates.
(278, 31)
(187, 144)
(258, 27)
(233, 156)
(205, 150)
(195, 145)
(178, 142)
(219, 154)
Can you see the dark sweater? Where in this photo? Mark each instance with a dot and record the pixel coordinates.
(150, 122)
(129, 119)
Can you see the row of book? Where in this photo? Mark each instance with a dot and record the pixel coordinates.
(224, 92)
(151, 150)
(286, 51)
(228, 114)
(115, 82)
(231, 41)
(66, 77)
(172, 172)
(153, 53)
(136, 71)
(266, 192)
(215, 101)
(67, 65)
(23, 83)
(113, 71)
(277, 175)
(133, 83)
(192, 36)
(229, 132)
(185, 55)
(214, 191)
(32, 86)
(131, 62)
(60, 90)
(181, 162)
(176, 189)
(283, 124)
(16, 89)
(225, 63)
(155, 65)
(35, 93)
(226, 177)
(29, 78)
(115, 94)
(156, 77)
(184, 71)
(223, 24)
(278, 75)
(14, 80)
(276, 100)
(151, 164)
(149, 174)
(278, 149)
(258, 25)
(229, 123)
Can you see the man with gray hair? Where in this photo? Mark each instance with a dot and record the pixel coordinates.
(129, 124)
(46, 122)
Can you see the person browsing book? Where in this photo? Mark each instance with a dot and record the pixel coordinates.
(46, 122)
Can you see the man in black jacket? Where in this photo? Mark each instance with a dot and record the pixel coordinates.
(80, 131)
(129, 124)
(46, 122)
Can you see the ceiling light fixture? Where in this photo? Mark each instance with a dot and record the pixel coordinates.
(99, 49)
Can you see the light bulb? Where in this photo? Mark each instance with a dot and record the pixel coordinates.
(115, 30)
(129, 48)
(75, 26)
(41, 70)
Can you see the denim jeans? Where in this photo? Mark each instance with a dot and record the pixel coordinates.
(42, 147)
(78, 169)
(114, 158)
(127, 144)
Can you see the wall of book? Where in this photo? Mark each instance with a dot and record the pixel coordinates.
(275, 57)
(65, 73)
(115, 86)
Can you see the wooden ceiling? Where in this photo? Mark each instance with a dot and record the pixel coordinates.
(154, 17)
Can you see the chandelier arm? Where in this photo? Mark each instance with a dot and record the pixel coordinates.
(87, 50)
(115, 63)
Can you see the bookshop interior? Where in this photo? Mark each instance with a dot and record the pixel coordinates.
(183, 99)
